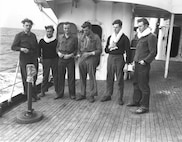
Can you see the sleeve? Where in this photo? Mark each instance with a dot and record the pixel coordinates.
(36, 46)
(16, 43)
(152, 45)
(127, 49)
(98, 50)
(58, 44)
(79, 45)
(107, 45)
(40, 48)
(76, 46)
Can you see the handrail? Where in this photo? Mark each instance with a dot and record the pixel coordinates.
(7, 69)
(10, 85)
(7, 53)
(15, 83)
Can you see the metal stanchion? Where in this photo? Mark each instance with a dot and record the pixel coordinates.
(16, 73)
(0, 109)
(29, 116)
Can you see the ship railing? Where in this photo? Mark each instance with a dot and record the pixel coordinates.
(7, 53)
(8, 91)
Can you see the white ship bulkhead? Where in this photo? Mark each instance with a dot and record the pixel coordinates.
(104, 12)
(98, 13)
(101, 13)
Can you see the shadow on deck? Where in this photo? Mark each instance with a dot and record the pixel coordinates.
(66, 120)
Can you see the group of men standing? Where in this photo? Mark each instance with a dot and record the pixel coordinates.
(60, 54)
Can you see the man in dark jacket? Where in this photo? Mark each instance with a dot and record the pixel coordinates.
(26, 43)
(117, 44)
(145, 53)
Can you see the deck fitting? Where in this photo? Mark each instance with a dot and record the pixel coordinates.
(27, 117)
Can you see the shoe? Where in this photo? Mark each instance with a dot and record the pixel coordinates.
(133, 105)
(58, 97)
(120, 102)
(106, 98)
(141, 110)
(33, 99)
(91, 99)
(42, 94)
(37, 98)
(80, 97)
(72, 97)
(24, 94)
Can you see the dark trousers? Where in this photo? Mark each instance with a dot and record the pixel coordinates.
(115, 65)
(68, 64)
(141, 92)
(49, 64)
(23, 71)
(88, 66)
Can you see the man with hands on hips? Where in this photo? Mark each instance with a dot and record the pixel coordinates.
(146, 50)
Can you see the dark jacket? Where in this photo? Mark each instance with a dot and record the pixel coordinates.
(48, 50)
(146, 48)
(29, 41)
(123, 46)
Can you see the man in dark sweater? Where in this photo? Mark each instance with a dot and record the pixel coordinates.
(49, 57)
(145, 53)
(117, 44)
(26, 43)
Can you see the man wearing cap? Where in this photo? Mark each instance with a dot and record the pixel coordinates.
(89, 51)
(26, 43)
(49, 59)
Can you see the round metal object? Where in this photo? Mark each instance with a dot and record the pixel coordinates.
(29, 117)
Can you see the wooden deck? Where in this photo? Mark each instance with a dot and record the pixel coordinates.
(67, 120)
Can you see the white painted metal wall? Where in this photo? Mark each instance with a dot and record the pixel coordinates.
(101, 13)
(173, 6)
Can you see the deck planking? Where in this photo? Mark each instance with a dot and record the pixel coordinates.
(67, 120)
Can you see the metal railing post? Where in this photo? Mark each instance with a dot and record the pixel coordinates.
(17, 67)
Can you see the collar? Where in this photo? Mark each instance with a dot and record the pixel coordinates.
(90, 36)
(48, 40)
(64, 36)
(115, 38)
(146, 32)
(24, 33)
